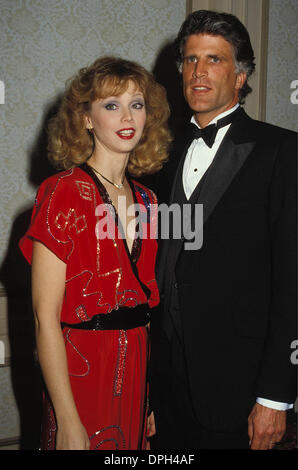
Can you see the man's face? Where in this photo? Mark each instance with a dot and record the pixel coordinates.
(210, 82)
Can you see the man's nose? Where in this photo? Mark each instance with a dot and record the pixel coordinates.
(200, 70)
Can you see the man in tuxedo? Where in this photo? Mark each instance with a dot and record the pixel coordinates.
(221, 373)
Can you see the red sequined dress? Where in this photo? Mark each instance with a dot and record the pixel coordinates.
(107, 368)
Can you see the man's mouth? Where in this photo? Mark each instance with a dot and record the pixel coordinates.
(126, 133)
(200, 88)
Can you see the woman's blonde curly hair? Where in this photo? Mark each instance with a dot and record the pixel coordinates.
(71, 144)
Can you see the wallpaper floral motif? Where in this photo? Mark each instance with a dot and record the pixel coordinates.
(43, 43)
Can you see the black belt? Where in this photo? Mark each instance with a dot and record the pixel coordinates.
(124, 318)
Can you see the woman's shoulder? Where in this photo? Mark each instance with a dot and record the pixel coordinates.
(66, 181)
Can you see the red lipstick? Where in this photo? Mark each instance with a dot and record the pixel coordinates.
(127, 133)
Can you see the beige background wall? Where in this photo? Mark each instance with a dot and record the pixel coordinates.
(282, 69)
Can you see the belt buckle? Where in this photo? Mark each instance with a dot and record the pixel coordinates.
(97, 323)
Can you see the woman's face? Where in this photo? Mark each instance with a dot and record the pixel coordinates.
(118, 121)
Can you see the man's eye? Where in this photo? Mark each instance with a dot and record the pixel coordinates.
(214, 59)
(191, 59)
(111, 106)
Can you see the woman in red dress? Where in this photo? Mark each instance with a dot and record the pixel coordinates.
(92, 247)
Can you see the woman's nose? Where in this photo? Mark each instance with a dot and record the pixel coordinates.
(127, 115)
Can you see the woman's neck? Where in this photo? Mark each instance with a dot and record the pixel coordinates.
(110, 166)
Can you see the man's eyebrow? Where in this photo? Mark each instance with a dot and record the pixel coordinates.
(190, 55)
(219, 55)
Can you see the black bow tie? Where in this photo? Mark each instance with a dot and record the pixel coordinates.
(208, 133)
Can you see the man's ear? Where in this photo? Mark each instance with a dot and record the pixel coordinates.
(240, 80)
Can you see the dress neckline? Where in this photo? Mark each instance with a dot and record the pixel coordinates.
(135, 252)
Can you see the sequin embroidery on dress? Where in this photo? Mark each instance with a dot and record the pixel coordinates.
(70, 172)
(86, 362)
(117, 437)
(71, 220)
(120, 367)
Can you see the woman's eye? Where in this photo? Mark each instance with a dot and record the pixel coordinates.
(138, 105)
(111, 106)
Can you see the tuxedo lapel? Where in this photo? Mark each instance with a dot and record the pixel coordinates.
(228, 161)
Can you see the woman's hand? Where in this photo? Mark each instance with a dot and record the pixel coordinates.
(151, 431)
(72, 436)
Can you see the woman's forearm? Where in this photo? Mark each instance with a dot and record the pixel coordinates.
(71, 434)
(48, 292)
(53, 362)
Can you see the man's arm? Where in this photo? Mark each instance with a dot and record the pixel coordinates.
(277, 379)
(266, 427)
(277, 374)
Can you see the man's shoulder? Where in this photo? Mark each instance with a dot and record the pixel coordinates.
(264, 128)
(276, 129)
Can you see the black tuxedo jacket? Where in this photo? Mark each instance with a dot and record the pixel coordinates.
(237, 293)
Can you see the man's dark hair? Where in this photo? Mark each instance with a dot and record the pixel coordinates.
(231, 29)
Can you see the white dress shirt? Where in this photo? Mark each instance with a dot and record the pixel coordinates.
(198, 159)
(199, 156)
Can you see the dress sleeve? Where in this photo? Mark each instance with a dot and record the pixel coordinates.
(49, 220)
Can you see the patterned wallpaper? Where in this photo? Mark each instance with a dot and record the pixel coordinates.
(10, 421)
(282, 70)
(44, 42)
